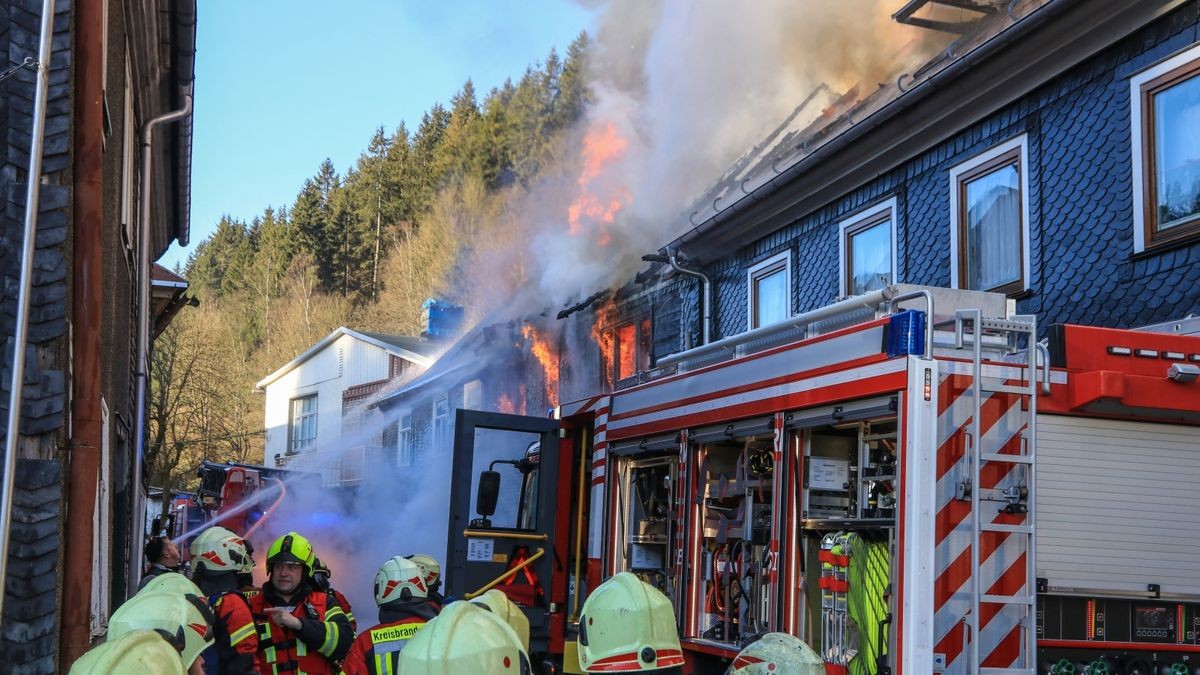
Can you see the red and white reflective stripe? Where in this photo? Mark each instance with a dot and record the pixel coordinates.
(664, 658)
(599, 460)
(1002, 567)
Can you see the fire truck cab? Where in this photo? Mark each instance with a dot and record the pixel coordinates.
(910, 481)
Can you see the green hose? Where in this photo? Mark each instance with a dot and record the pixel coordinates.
(867, 604)
(1063, 667)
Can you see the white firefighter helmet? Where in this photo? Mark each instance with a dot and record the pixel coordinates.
(219, 550)
(777, 654)
(143, 651)
(627, 625)
(430, 569)
(184, 620)
(465, 638)
(399, 579)
(506, 609)
(171, 582)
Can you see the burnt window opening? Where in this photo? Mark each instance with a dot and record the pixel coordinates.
(625, 350)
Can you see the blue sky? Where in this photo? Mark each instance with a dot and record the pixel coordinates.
(280, 85)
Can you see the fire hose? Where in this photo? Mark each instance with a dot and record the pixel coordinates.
(271, 509)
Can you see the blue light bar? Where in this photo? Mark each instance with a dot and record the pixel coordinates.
(906, 333)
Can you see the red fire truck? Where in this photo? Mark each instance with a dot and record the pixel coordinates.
(910, 481)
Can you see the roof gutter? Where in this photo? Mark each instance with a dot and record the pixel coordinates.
(915, 93)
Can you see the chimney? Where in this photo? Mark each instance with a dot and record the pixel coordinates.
(440, 319)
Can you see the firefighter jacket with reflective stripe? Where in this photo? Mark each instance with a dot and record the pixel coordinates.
(377, 651)
(235, 649)
(323, 638)
(345, 605)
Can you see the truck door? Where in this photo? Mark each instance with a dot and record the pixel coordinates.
(502, 512)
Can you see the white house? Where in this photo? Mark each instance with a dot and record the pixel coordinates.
(312, 417)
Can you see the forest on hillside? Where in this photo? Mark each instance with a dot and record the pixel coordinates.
(363, 247)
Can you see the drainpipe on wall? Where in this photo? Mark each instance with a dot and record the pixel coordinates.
(143, 348)
(21, 334)
(707, 326)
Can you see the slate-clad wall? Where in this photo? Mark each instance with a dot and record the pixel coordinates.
(29, 640)
(1080, 195)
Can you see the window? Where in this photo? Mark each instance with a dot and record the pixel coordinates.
(989, 220)
(473, 395)
(129, 163)
(625, 350)
(302, 432)
(102, 531)
(1165, 102)
(441, 424)
(868, 250)
(404, 440)
(770, 283)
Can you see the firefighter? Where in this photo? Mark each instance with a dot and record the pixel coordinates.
(627, 625)
(465, 638)
(299, 627)
(433, 577)
(403, 611)
(496, 601)
(220, 556)
(183, 619)
(321, 576)
(144, 652)
(163, 556)
(777, 653)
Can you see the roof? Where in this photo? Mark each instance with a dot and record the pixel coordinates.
(808, 159)
(414, 349)
(168, 295)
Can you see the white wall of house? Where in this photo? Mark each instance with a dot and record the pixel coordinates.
(345, 362)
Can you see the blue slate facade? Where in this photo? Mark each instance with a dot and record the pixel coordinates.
(1081, 185)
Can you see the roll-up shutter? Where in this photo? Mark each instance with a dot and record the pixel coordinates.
(1118, 505)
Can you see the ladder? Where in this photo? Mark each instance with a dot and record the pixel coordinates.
(1002, 338)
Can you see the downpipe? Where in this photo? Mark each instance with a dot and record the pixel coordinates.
(143, 344)
(707, 292)
(21, 334)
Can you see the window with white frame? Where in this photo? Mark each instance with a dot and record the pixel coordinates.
(867, 249)
(989, 220)
(1165, 102)
(129, 156)
(302, 427)
(441, 423)
(404, 439)
(769, 284)
(473, 395)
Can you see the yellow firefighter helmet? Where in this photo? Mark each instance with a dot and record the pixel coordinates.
(399, 579)
(777, 654)
(627, 625)
(219, 550)
(171, 582)
(183, 619)
(506, 609)
(465, 638)
(430, 568)
(143, 651)
(291, 548)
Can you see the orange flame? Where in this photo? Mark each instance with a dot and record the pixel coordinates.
(523, 394)
(604, 340)
(505, 404)
(548, 359)
(598, 203)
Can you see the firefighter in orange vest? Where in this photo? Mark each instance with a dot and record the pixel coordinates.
(299, 628)
(403, 610)
(321, 576)
(219, 556)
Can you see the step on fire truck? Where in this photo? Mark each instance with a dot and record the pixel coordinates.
(909, 480)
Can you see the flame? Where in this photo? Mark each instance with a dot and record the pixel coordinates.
(505, 404)
(524, 396)
(598, 202)
(604, 340)
(545, 356)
